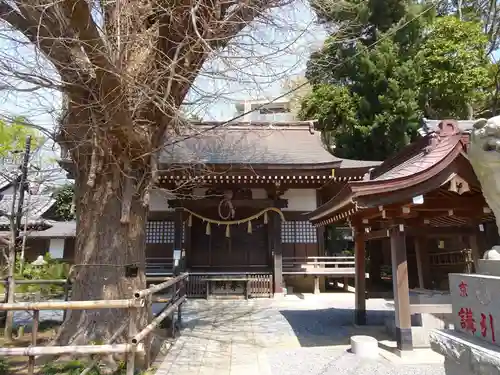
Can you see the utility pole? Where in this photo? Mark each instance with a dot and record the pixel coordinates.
(21, 182)
(23, 185)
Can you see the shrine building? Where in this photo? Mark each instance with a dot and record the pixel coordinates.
(425, 204)
(234, 198)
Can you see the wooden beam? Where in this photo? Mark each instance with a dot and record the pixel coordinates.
(274, 226)
(401, 288)
(178, 225)
(360, 278)
(320, 231)
(213, 203)
(428, 231)
(475, 248)
(375, 234)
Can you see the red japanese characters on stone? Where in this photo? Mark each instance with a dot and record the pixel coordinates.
(484, 326)
(467, 321)
(463, 289)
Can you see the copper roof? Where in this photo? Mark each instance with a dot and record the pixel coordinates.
(297, 143)
(426, 160)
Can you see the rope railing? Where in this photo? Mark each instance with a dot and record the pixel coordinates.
(141, 299)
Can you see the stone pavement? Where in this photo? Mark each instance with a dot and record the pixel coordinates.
(289, 336)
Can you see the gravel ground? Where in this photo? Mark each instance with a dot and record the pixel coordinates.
(333, 361)
(280, 337)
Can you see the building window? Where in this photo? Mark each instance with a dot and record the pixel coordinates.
(161, 232)
(298, 232)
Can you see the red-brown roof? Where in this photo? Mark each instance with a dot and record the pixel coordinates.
(425, 161)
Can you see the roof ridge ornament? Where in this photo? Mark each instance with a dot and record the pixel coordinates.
(446, 128)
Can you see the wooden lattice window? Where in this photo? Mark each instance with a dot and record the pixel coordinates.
(298, 232)
(161, 232)
(288, 231)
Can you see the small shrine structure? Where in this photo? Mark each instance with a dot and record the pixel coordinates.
(424, 197)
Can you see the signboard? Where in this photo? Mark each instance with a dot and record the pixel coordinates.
(476, 305)
(177, 254)
(177, 257)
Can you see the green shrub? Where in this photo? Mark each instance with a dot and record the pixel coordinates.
(76, 367)
(52, 270)
(67, 368)
(4, 367)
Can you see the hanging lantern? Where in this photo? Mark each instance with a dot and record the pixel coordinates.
(249, 227)
(207, 230)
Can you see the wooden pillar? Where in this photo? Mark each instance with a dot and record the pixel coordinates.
(316, 285)
(423, 262)
(360, 278)
(401, 288)
(475, 248)
(276, 251)
(177, 236)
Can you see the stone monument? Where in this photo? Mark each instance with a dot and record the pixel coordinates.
(473, 346)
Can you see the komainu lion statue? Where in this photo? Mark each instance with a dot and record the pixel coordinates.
(484, 156)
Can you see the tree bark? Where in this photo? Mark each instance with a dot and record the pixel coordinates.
(104, 246)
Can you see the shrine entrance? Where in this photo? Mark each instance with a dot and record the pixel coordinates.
(236, 249)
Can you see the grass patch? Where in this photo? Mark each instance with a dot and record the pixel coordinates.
(19, 365)
(47, 331)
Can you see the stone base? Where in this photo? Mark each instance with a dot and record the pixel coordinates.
(304, 283)
(364, 346)
(465, 355)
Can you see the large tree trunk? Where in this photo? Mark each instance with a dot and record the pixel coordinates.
(105, 244)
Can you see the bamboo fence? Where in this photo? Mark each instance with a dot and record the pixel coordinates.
(137, 341)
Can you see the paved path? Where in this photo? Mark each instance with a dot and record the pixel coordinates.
(289, 336)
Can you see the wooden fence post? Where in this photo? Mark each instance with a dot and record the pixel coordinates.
(34, 333)
(131, 334)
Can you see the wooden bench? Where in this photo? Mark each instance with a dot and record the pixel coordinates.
(211, 280)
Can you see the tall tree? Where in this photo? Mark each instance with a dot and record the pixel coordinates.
(364, 81)
(455, 77)
(401, 64)
(125, 67)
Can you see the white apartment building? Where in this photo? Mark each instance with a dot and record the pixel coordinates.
(262, 110)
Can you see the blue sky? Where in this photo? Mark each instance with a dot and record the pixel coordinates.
(251, 71)
(258, 71)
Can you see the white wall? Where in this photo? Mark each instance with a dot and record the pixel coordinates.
(259, 194)
(158, 200)
(8, 191)
(300, 199)
(56, 248)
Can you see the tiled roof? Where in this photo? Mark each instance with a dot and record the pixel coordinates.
(58, 229)
(253, 143)
(37, 206)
